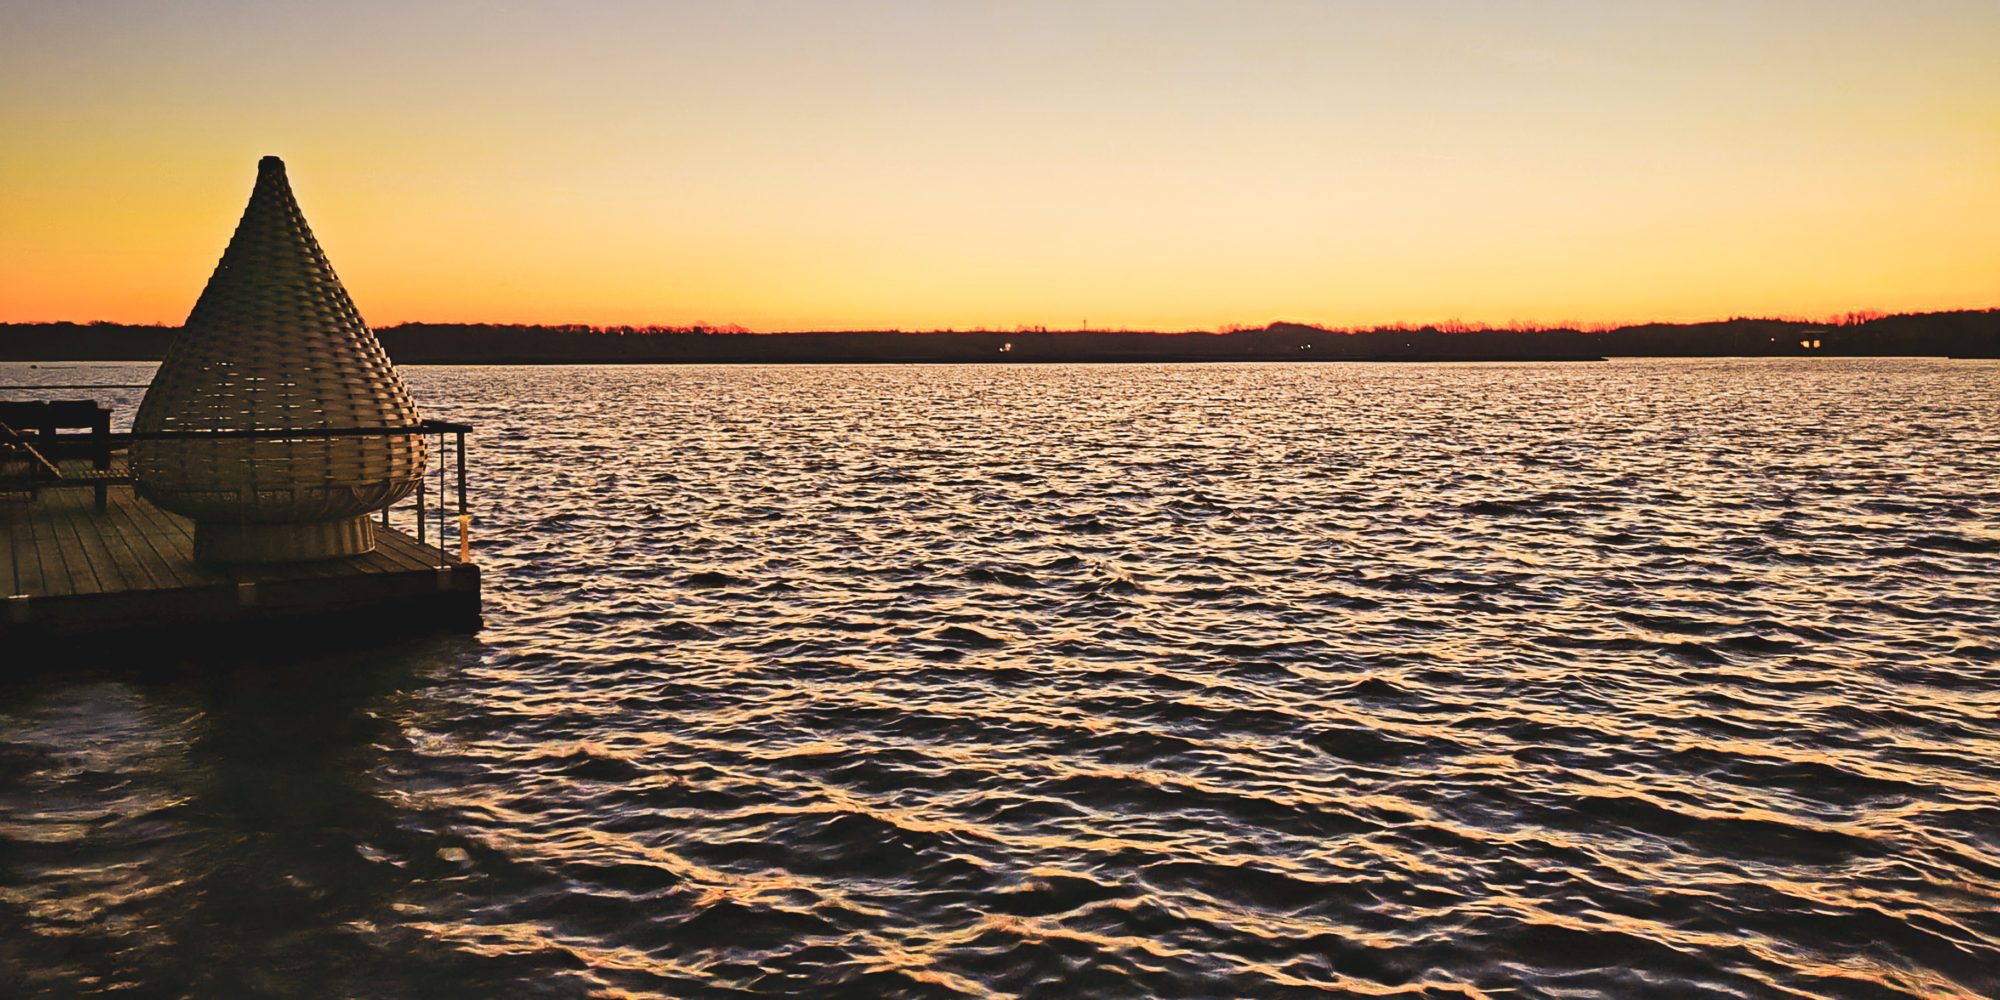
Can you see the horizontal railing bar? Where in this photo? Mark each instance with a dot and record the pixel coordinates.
(93, 385)
(427, 427)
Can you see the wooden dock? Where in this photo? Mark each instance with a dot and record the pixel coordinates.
(71, 573)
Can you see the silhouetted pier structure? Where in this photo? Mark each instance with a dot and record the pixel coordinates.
(74, 573)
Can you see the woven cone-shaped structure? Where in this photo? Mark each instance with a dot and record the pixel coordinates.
(274, 344)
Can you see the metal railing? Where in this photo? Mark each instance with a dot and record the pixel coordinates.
(429, 428)
(458, 431)
(16, 442)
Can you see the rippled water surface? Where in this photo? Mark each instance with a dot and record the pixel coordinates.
(1625, 679)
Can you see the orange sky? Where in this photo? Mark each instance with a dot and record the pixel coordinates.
(923, 165)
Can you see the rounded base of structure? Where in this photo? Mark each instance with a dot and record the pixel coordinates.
(224, 542)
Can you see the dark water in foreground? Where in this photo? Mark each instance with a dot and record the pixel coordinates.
(1633, 679)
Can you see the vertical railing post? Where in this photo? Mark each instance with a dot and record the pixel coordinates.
(420, 507)
(464, 516)
(440, 448)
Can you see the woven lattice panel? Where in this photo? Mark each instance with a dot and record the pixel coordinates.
(274, 343)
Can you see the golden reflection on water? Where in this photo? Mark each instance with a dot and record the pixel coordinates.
(1412, 680)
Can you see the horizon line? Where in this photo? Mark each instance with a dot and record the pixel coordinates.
(1851, 317)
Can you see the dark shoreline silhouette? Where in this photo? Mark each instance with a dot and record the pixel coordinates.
(1964, 333)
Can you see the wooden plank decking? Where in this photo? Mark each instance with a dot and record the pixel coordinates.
(69, 570)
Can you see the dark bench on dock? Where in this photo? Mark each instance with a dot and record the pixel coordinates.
(32, 452)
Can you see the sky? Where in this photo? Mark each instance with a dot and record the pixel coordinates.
(938, 164)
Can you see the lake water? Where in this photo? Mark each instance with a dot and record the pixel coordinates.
(1644, 678)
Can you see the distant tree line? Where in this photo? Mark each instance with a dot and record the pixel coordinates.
(1969, 333)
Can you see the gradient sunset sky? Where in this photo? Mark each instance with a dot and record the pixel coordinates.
(1159, 165)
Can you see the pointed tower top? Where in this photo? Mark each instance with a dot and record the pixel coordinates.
(273, 275)
(274, 341)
